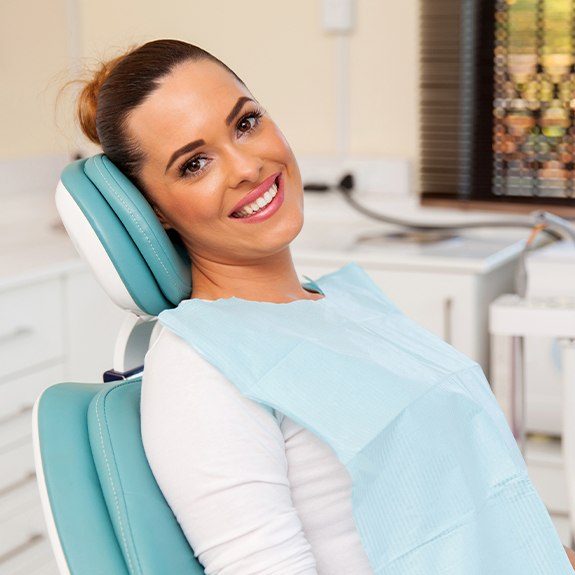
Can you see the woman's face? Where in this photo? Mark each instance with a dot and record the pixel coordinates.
(206, 147)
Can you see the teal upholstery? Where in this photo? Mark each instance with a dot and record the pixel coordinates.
(155, 271)
(150, 536)
(143, 226)
(109, 512)
(80, 513)
(110, 515)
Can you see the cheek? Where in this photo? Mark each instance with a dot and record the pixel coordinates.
(280, 143)
(195, 211)
(284, 153)
(197, 203)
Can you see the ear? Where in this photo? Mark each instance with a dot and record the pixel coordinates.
(163, 220)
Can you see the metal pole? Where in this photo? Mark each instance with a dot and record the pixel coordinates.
(518, 392)
(567, 346)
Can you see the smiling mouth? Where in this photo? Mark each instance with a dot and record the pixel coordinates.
(260, 204)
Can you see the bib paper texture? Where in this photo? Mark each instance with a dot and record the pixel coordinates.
(439, 485)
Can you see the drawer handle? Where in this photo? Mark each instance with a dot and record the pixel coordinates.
(17, 332)
(29, 477)
(33, 539)
(24, 409)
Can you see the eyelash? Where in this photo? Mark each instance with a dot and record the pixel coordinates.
(256, 114)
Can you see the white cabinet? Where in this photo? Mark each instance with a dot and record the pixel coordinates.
(446, 286)
(452, 303)
(34, 558)
(31, 330)
(53, 328)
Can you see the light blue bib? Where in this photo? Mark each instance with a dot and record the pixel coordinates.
(439, 484)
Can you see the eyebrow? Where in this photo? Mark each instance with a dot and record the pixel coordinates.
(197, 143)
(184, 150)
(236, 109)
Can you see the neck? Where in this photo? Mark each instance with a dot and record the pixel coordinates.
(272, 279)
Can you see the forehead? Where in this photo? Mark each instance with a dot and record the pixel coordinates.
(192, 102)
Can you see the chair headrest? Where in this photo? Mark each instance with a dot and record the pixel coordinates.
(117, 232)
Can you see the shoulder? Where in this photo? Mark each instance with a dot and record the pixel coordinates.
(169, 346)
(178, 378)
(171, 364)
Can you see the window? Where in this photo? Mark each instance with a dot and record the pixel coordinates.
(498, 104)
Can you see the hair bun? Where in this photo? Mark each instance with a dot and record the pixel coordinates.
(87, 105)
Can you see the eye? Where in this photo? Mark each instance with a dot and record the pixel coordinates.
(246, 124)
(193, 166)
(250, 121)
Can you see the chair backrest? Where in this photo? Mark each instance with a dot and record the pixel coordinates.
(103, 508)
(104, 505)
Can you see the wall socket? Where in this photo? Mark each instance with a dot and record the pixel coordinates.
(338, 15)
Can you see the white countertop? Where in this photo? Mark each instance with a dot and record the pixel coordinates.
(33, 245)
(333, 230)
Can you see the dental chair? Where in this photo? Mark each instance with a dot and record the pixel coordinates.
(104, 511)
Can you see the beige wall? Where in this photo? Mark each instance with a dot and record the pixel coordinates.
(33, 61)
(385, 79)
(277, 48)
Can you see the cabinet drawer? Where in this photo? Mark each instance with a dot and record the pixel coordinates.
(31, 326)
(35, 558)
(18, 394)
(21, 518)
(17, 464)
(15, 431)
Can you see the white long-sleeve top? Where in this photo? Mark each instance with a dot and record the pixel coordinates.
(253, 494)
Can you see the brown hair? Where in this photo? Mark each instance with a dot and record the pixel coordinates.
(119, 86)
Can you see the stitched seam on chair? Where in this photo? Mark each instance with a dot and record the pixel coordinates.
(124, 541)
(135, 221)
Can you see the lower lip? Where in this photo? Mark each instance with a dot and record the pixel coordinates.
(269, 210)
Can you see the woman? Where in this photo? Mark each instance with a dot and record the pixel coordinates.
(252, 494)
(196, 142)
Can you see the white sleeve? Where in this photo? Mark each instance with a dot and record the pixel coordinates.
(219, 459)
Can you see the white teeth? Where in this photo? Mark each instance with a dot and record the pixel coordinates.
(260, 203)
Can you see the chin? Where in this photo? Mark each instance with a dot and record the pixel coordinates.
(282, 234)
(299, 226)
(292, 217)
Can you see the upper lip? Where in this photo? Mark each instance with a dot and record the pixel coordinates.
(256, 192)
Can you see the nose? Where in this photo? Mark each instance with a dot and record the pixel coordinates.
(243, 167)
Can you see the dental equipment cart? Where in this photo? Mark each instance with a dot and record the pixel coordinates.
(513, 318)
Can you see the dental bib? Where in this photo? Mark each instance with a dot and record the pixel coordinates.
(439, 485)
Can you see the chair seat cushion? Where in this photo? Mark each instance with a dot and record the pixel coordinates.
(148, 533)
